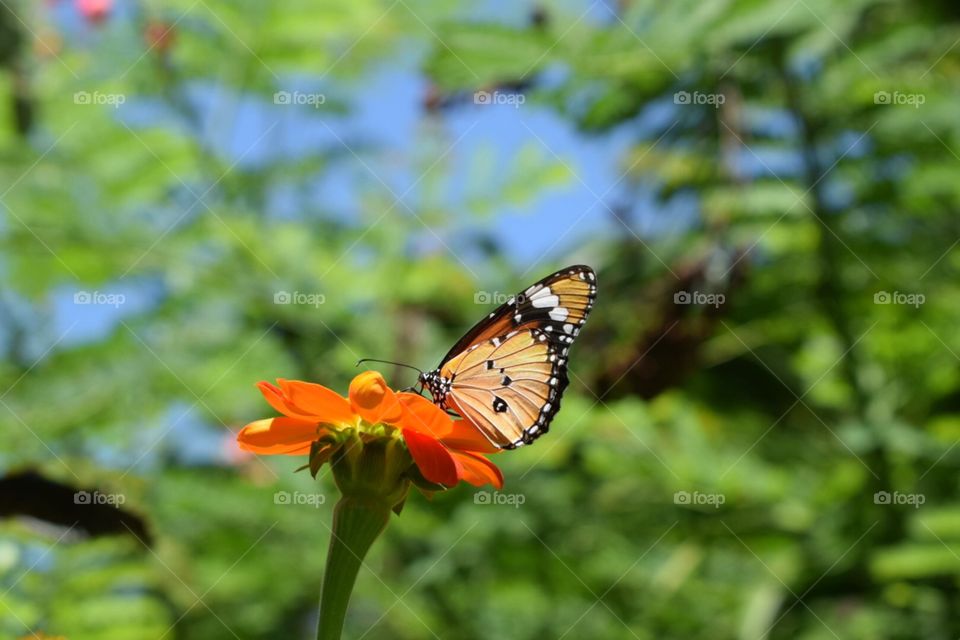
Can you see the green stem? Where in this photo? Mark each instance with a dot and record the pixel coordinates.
(357, 522)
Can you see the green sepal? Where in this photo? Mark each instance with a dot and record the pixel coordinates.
(320, 452)
(426, 493)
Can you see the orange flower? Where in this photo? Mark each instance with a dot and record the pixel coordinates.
(446, 451)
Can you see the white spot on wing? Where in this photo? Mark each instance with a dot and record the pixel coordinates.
(559, 314)
(568, 328)
(545, 301)
(545, 291)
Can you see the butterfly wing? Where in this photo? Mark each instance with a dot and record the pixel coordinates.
(561, 301)
(509, 388)
(506, 376)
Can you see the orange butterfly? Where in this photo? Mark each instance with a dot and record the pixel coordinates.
(506, 375)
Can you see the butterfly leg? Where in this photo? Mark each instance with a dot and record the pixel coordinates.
(413, 388)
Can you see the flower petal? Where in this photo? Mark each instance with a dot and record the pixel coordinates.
(274, 395)
(465, 437)
(315, 400)
(278, 436)
(434, 460)
(423, 416)
(373, 400)
(426, 417)
(477, 470)
(300, 450)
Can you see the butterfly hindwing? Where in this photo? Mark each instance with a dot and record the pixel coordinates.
(508, 387)
(506, 376)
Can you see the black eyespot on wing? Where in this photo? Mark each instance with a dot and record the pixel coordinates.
(499, 405)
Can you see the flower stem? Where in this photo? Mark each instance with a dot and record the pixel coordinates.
(357, 522)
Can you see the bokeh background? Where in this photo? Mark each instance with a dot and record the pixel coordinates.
(760, 437)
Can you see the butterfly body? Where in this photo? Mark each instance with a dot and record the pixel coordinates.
(507, 374)
(437, 385)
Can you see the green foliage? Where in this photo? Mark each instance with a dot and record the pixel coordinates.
(820, 182)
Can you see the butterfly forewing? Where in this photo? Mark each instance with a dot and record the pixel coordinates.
(507, 374)
(558, 303)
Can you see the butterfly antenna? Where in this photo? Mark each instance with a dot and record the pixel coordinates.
(397, 364)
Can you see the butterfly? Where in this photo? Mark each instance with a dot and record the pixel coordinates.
(507, 374)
